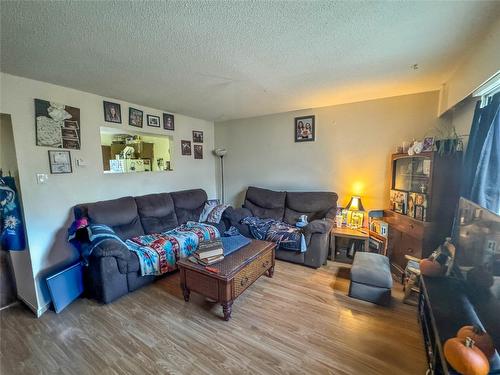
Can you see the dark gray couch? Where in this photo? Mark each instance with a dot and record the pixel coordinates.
(114, 270)
(320, 208)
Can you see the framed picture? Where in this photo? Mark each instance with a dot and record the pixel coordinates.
(420, 212)
(186, 147)
(135, 117)
(197, 136)
(198, 151)
(411, 205)
(168, 121)
(60, 162)
(153, 121)
(304, 129)
(112, 112)
(428, 144)
(57, 125)
(399, 201)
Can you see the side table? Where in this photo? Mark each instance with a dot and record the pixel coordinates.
(344, 242)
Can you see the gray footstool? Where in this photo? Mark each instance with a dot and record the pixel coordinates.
(371, 278)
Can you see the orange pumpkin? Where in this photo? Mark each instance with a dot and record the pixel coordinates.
(465, 357)
(481, 339)
(430, 268)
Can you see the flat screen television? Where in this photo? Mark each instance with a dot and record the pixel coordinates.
(476, 235)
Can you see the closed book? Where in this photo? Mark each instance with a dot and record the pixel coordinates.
(211, 244)
(209, 250)
(209, 253)
(211, 260)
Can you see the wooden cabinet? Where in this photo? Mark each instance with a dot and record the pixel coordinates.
(437, 177)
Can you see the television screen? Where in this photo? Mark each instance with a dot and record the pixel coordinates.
(476, 235)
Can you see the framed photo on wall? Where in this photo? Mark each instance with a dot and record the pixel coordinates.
(305, 129)
(198, 151)
(112, 112)
(197, 136)
(186, 148)
(60, 162)
(153, 121)
(57, 125)
(168, 121)
(135, 117)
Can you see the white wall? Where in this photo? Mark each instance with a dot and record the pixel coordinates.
(48, 207)
(351, 154)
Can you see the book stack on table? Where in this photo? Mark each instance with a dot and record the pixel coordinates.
(209, 252)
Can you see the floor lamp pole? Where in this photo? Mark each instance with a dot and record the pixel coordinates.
(222, 177)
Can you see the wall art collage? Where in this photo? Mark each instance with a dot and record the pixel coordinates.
(58, 126)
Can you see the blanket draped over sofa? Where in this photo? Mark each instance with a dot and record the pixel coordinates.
(158, 253)
(286, 236)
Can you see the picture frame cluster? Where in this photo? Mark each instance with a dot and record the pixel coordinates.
(113, 114)
(196, 149)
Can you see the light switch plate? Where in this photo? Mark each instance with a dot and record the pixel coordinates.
(42, 178)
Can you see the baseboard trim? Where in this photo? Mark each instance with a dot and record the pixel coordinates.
(37, 311)
(12, 304)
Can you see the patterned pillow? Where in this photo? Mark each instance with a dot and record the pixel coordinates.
(209, 206)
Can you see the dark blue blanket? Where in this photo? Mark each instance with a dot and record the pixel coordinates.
(286, 236)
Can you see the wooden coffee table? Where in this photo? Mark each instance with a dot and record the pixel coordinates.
(236, 273)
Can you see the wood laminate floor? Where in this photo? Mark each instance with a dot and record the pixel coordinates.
(299, 322)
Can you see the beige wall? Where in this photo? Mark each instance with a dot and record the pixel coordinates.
(20, 260)
(48, 207)
(479, 64)
(350, 155)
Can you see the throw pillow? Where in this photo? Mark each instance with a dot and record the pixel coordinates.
(209, 206)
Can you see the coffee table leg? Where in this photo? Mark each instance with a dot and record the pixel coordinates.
(185, 293)
(270, 272)
(226, 309)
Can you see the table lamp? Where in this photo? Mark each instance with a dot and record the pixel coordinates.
(355, 213)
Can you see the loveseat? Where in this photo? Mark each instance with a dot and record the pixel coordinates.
(320, 208)
(113, 269)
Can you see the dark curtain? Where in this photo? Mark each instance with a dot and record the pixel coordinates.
(481, 178)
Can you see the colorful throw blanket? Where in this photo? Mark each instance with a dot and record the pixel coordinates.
(286, 236)
(158, 253)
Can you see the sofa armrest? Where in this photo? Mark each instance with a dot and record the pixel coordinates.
(233, 216)
(111, 248)
(319, 226)
(115, 249)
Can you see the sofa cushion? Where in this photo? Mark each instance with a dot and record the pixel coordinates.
(316, 205)
(266, 204)
(189, 204)
(157, 212)
(120, 214)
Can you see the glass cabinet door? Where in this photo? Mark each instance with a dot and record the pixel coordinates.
(412, 173)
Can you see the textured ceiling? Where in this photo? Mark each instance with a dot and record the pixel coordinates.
(225, 60)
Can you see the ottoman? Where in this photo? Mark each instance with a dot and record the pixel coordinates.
(371, 278)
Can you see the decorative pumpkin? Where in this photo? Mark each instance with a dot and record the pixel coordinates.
(465, 357)
(481, 339)
(430, 268)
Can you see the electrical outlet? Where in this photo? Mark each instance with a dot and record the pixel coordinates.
(42, 178)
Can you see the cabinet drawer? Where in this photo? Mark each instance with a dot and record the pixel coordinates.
(251, 272)
(406, 225)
